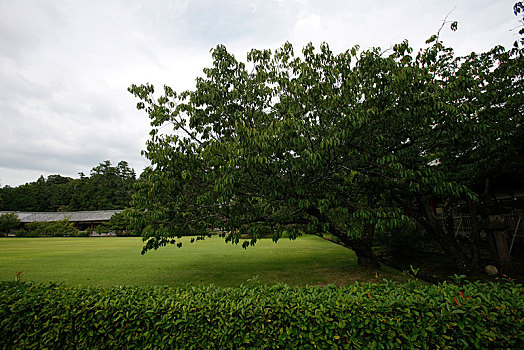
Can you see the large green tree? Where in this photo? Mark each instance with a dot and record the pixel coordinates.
(335, 145)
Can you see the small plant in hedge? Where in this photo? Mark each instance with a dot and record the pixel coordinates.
(18, 276)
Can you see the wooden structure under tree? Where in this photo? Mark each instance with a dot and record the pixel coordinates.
(502, 221)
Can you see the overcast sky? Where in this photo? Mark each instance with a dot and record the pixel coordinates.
(65, 66)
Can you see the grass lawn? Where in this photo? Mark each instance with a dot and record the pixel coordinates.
(110, 261)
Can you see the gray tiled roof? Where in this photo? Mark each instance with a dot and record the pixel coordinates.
(73, 216)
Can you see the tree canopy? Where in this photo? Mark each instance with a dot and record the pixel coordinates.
(338, 145)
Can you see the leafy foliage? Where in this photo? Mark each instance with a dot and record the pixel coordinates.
(8, 222)
(389, 315)
(118, 223)
(402, 242)
(518, 10)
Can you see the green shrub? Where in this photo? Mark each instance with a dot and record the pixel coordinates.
(83, 234)
(127, 234)
(117, 224)
(48, 229)
(386, 315)
(24, 233)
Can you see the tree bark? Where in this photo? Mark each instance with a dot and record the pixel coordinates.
(365, 255)
(475, 237)
(361, 246)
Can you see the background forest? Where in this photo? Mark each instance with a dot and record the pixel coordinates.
(107, 187)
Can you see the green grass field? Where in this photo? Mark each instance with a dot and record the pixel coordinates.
(110, 261)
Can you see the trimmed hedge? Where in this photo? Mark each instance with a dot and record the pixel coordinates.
(385, 315)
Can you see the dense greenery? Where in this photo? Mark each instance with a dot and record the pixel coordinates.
(59, 228)
(107, 187)
(385, 315)
(339, 144)
(118, 224)
(8, 222)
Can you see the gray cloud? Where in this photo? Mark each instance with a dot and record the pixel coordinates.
(65, 66)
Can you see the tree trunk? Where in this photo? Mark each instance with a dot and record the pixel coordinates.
(361, 246)
(365, 256)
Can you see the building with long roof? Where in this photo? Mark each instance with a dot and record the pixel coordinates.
(83, 220)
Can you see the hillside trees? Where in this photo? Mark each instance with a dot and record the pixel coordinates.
(335, 145)
(41, 195)
(107, 187)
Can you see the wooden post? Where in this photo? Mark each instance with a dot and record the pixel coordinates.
(502, 247)
(497, 241)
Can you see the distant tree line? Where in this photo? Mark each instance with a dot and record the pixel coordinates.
(107, 187)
